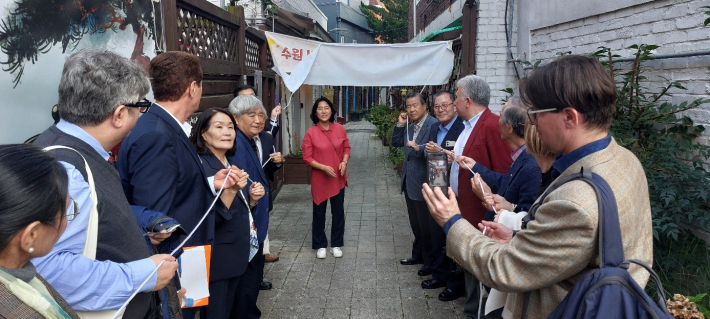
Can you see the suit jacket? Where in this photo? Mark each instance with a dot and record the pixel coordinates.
(268, 147)
(12, 307)
(160, 170)
(485, 147)
(247, 160)
(230, 251)
(561, 242)
(519, 186)
(414, 171)
(451, 135)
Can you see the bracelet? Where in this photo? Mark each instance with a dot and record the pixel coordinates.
(344, 161)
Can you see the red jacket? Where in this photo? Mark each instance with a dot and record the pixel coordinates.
(486, 148)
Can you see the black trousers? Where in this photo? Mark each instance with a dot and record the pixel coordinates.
(443, 268)
(419, 221)
(221, 300)
(337, 229)
(247, 291)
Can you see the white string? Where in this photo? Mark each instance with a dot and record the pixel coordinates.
(432, 72)
(125, 304)
(484, 193)
(262, 165)
(407, 126)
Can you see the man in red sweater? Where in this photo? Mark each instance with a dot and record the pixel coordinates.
(481, 141)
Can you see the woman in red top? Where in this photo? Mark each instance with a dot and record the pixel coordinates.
(326, 149)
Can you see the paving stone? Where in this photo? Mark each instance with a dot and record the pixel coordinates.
(368, 281)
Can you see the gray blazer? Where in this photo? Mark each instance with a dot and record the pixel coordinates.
(414, 171)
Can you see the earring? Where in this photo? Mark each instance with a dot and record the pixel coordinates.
(31, 250)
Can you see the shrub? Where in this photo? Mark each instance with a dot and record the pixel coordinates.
(663, 138)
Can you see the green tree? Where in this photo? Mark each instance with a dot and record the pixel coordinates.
(390, 23)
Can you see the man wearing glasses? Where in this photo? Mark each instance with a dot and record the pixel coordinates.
(572, 102)
(442, 136)
(99, 104)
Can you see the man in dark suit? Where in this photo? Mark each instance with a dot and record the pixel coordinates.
(158, 165)
(414, 173)
(271, 127)
(480, 140)
(443, 135)
(257, 157)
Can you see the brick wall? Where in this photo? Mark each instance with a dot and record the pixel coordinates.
(491, 51)
(674, 25)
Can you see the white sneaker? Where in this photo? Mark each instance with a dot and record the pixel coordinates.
(320, 254)
(337, 253)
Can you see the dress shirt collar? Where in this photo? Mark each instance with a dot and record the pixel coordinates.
(448, 127)
(78, 132)
(186, 127)
(563, 162)
(472, 122)
(515, 154)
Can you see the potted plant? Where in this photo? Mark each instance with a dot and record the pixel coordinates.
(295, 170)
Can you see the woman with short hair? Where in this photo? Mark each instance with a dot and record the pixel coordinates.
(34, 210)
(326, 149)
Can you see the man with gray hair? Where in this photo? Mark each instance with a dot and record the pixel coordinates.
(99, 103)
(258, 158)
(480, 140)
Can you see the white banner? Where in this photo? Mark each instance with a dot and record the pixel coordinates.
(288, 51)
(401, 64)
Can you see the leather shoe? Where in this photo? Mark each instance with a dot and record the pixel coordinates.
(269, 258)
(265, 285)
(449, 294)
(410, 261)
(432, 284)
(424, 271)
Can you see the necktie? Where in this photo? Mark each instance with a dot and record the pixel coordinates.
(257, 143)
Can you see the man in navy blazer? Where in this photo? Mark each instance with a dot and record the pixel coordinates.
(414, 173)
(443, 135)
(158, 165)
(256, 156)
(521, 184)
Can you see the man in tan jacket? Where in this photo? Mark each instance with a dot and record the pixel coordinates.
(572, 101)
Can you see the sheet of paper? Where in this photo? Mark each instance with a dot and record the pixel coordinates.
(193, 274)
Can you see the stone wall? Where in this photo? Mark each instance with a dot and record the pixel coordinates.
(492, 53)
(675, 25)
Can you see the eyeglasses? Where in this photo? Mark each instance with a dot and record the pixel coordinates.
(532, 115)
(442, 106)
(142, 105)
(73, 209)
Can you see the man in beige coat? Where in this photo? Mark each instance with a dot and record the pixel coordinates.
(572, 101)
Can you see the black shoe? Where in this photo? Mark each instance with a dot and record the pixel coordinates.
(449, 294)
(265, 285)
(410, 261)
(433, 284)
(424, 271)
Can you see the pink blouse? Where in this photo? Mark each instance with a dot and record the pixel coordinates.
(328, 148)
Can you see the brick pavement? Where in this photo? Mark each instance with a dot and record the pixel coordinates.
(368, 281)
